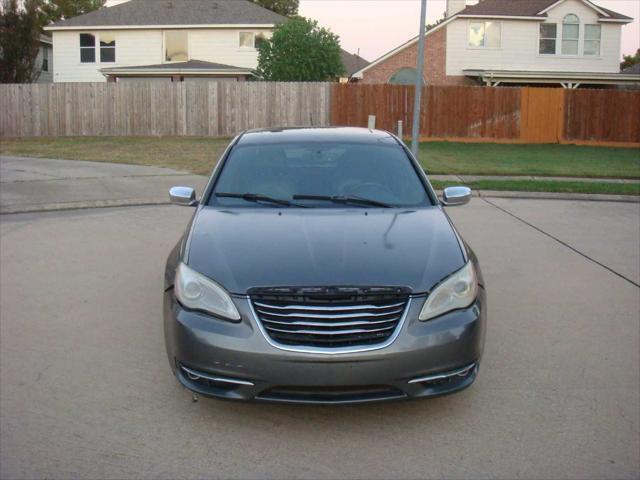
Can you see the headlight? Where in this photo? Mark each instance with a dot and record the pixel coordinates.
(457, 291)
(197, 292)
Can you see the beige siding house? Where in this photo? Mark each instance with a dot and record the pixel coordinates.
(44, 60)
(169, 40)
(496, 42)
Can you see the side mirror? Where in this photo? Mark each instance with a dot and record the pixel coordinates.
(455, 196)
(185, 196)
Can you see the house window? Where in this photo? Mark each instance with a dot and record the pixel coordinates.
(548, 36)
(404, 76)
(107, 48)
(45, 59)
(570, 34)
(247, 40)
(485, 34)
(87, 48)
(592, 35)
(176, 46)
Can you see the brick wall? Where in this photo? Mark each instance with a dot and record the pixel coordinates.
(435, 69)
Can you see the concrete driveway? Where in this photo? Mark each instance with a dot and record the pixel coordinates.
(86, 389)
(33, 184)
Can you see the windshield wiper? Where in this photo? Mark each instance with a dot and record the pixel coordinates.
(256, 197)
(344, 199)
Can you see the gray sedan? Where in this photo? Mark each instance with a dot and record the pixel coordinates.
(320, 267)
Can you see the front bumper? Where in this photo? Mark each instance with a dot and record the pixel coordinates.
(235, 361)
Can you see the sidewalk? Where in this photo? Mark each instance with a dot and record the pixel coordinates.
(475, 178)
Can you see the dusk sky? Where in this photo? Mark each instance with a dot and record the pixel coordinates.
(377, 26)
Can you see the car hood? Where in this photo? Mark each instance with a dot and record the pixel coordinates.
(269, 247)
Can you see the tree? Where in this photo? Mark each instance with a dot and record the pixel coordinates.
(287, 8)
(21, 23)
(54, 10)
(429, 26)
(19, 41)
(630, 60)
(300, 51)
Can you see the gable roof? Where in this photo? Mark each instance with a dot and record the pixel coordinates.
(529, 8)
(524, 9)
(514, 8)
(632, 70)
(352, 62)
(148, 13)
(615, 15)
(189, 67)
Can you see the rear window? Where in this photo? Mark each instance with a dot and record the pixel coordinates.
(378, 172)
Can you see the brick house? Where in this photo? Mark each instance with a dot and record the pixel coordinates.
(569, 43)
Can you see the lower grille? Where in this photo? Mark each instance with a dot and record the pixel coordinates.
(332, 394)
(330, 320)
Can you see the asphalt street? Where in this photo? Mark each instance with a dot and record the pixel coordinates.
(86, 390)
(32, 184)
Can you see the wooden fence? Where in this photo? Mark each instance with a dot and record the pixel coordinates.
(542, 115)
(528, 115)
(602, 115)
(447, 112)
(155, 108)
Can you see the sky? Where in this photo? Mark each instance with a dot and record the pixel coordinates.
(377, 26)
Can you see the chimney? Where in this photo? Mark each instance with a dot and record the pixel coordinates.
(455, 6)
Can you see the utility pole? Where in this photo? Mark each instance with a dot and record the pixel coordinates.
(419, 80)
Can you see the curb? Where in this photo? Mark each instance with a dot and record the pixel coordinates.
(536, 178)
(583, 197)
(57, 207)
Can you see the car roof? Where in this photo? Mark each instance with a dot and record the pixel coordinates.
(315, 134)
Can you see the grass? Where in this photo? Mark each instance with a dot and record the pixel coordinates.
(547, 186)
(542, 160)
(199, 155)
(194, 154)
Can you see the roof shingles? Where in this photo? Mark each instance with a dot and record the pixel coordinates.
(352, 62)
(176, 12)
(632, 70)
(191, 65)
(522, 8)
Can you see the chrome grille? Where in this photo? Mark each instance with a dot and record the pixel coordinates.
(330, 320)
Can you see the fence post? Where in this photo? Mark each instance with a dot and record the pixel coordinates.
(400, 129)
(372, 122)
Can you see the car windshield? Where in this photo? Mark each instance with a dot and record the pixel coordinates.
(362, 175)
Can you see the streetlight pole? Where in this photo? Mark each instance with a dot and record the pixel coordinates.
(419, 80)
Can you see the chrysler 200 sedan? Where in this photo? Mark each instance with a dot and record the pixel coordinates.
(320, 267)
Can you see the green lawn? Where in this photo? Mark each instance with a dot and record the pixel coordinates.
(547, 186)
(199, 155)
(543, 160)
(195, 154)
